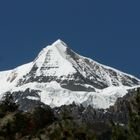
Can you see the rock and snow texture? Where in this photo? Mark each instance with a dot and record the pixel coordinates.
(60, 76)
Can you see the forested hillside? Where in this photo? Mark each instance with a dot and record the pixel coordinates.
(72, 122)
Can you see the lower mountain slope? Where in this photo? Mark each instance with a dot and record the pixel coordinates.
(71, 121)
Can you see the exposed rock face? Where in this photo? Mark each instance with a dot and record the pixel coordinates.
(117, 113)
(72, 71)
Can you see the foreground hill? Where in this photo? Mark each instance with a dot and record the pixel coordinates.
(72, 122)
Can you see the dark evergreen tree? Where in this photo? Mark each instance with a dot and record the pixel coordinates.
(8, 103)
(132, 131)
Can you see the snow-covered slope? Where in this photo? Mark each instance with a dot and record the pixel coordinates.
(60, 76)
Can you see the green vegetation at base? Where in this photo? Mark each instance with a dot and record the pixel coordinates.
(132, 130)
(39, 124)
(44, 123)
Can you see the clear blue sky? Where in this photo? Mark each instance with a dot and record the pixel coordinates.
(106, 30)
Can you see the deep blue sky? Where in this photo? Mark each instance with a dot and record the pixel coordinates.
(106, 30)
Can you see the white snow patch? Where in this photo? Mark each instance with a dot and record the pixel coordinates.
(33, 98)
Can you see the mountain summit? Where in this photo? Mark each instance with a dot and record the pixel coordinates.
(60, 76)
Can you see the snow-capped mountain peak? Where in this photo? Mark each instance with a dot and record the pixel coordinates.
(59, 76)
(58, 46)
(52, 60)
